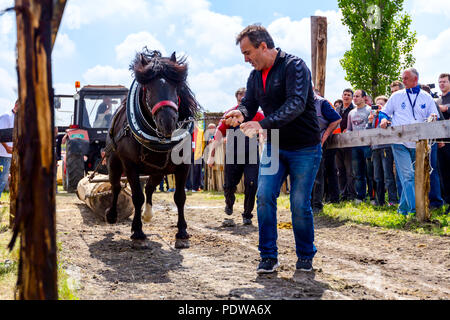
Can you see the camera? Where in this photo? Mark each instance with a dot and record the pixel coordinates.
(433, 94)
(375, 107)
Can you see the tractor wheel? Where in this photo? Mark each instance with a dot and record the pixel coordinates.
(74, 165)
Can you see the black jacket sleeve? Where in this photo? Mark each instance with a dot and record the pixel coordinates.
(298, 83)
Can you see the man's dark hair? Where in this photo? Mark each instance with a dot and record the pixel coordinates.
(256, 34)
(348, 90)
(443, 75)
(363, 93)
(338, 101)
(397, 83)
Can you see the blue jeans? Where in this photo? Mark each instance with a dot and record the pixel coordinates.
(359, 155)
(302, 166)
(404, 158)
(383, 164)
(435, 197)
(5, 163)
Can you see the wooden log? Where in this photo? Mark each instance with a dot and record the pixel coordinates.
(35, 199)
(98, 197)
(422, 181)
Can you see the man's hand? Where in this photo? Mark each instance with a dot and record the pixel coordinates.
(251, 128)
(371, 116)
(234, 118)
(7, 148)
(210, 161)
(384, 123)
(444, 108)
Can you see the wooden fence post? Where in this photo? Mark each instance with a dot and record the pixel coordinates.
(35, 199)
(319, 52)
(422, 181)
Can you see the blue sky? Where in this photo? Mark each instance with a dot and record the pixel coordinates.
(98, 38)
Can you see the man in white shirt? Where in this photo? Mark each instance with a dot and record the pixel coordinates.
(407, 106)
(6, 148)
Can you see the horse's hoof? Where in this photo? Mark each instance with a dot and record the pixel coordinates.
(147, 215)
(228, 223)
(182, 243)
(110, 218)
(140, 244)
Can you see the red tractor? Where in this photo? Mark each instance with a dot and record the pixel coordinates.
(79, 145)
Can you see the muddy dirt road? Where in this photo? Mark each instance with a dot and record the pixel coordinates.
(353, 261)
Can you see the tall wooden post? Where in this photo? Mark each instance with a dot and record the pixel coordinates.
(422, 181)
(35, 199)
(319, 52)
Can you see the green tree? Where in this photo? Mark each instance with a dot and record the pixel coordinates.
(382, 43)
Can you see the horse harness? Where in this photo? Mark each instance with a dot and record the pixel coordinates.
(149, 138)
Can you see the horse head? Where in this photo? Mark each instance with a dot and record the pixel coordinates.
(163, 89)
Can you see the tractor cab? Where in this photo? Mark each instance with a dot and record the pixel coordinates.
(82, 129)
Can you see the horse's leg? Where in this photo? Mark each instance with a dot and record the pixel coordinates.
(115, 172)
(182, 237)
(150, 187)
(138, 200)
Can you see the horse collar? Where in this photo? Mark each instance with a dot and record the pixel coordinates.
(143, 132)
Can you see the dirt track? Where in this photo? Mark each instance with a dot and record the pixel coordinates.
(353, 261)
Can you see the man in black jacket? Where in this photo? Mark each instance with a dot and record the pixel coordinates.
(281, 86)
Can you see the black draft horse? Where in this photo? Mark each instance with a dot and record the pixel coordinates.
(164, 102)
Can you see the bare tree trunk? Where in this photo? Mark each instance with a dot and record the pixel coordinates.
(35, 198)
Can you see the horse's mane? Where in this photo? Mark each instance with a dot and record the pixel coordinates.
(148, 65)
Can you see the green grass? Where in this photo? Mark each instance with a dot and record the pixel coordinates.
(387, 217)
(365, 213)
(9, 261)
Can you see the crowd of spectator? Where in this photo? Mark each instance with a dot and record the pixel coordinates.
(379, 174)
(384, 174)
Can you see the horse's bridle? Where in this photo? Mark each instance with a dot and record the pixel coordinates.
(163, 103)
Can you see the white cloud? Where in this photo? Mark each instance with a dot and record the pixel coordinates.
(292, 36)
(6, 23)
(64, 47)
(436, 7)
(107, 75)
(8, 90)
(6, 4)
(432, 56)
(83, 12)
(165, 8)
(215, 32)
(215, 90)
(133, 43)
